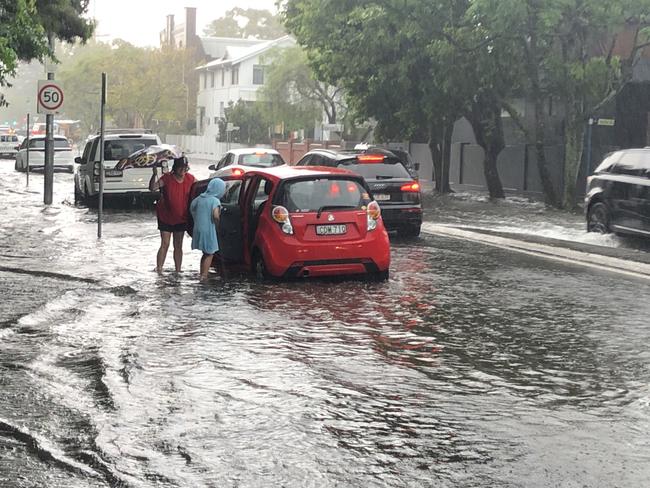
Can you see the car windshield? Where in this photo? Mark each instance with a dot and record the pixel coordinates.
(327, 193)
(117, 149)
(261, 160)
(40, 144)
(376, 171)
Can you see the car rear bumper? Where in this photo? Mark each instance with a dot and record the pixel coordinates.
(401, 216)
(288, 258)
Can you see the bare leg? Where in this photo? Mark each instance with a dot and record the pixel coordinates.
(206, 262)
(178, 249)
(162, 251)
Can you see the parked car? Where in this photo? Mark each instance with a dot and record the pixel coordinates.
(9, 145)
(618, 194)
(391, 184)
(289, 222)
(63, 154)
(118, 144)
(404, 156)
(246, 158)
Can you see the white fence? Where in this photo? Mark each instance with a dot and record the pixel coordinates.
(202, 147)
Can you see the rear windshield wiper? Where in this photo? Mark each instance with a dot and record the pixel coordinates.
(332, 207)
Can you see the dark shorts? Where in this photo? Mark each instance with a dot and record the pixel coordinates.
(171, 227)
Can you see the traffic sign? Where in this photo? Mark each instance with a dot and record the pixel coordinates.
(49, 97)
(606, 122)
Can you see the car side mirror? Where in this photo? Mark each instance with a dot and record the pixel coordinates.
(78, 160)
(212, 167)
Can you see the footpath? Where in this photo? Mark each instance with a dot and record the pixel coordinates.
(527, 226)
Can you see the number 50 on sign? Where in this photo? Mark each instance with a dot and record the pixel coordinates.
(49, 97)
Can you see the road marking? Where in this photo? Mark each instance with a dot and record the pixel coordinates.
(570, 256)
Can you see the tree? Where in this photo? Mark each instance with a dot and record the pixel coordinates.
(378, 52)
(249, 117)
(246, 23)
(145, 86)
(28, 29)
(292, 96)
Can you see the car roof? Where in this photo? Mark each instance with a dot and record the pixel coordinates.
(125, 135)
(40, 136)
(252, 150)
(341, 154)
(287, 171)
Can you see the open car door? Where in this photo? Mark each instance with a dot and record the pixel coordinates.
(229, 230)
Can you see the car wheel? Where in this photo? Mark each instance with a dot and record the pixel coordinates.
(412, 230)
(598, 219)
(379, 275)
(78, 196)
(259, 266)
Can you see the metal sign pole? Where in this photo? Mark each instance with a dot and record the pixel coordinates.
(100, 201)
(27, 149)
(48, 170)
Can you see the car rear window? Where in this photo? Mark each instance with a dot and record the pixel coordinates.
(376, 171)
(314, 194)
(260, 160)
(40, 144)
(117, 149)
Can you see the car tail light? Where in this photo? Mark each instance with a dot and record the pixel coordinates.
(374, 212)
(96, 170)
(411, 187)
(237, 172)
(370, 158)
(281, 215)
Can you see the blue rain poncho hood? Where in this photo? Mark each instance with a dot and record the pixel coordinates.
(216, 188)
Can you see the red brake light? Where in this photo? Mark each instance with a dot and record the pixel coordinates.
(237, 172)
(280, 214)
(411, 187)
(352, 187)
(370, 158)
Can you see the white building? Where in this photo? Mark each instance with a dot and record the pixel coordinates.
(236, 73)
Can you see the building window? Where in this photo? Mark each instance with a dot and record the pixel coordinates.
(212, 79)
(223, 77)
(222, 111)
(204, 76)
(258, 75)
(234, 79)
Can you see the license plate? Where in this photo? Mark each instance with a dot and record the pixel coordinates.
(328, 230)
(113, 172)
(381, 196)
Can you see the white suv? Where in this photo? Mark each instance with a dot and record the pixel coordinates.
(117, 145)
(8, 145)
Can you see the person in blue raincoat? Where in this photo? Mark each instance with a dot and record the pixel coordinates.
(206, 210)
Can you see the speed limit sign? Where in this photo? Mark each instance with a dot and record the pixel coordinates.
(50, 97)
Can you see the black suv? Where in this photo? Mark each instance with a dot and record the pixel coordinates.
(391, 184)
(618, 194)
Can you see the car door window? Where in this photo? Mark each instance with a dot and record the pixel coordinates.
(632, 163)
(305, 160)
(231, 195)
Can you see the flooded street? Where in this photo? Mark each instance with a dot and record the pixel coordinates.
(471, 367)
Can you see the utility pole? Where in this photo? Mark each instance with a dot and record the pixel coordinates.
(27, 148)
(48, 171)
(100, 200)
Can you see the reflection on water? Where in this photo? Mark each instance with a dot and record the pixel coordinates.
(469, 367)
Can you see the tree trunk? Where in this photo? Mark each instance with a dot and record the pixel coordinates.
(440, 147)
(485, 118)
(446, 157)
(531, 50)
(436, 157)
(574, 132)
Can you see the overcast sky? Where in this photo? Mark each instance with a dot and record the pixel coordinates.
(140, 21)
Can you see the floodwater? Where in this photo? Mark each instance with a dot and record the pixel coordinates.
(471, 367)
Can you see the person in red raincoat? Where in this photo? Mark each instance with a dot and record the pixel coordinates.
(172, 209)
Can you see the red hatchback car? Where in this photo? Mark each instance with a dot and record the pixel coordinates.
(293, 222)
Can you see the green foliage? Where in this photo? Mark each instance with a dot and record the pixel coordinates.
(27, 28)
(249, 117)
(260, 24)
(145, 86)
(293, 98)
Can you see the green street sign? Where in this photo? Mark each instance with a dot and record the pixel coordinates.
(605, 122)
